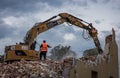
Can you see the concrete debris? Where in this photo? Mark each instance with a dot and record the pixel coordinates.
(48, 68)
(45, 69)
(92, 61)
(33, 69)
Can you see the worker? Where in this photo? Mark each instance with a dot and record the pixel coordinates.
(33, 45)
(43, 49)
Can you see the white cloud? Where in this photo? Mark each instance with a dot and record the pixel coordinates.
(69, 36)
(76, 28)
(13, 21)
(9, 20)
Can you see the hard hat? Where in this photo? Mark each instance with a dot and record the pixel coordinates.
(44, 40)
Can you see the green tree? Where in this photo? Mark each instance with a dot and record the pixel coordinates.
(90, 52)
(59, 52)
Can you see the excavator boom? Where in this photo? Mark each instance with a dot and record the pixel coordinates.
(52, 22)
(26, 49)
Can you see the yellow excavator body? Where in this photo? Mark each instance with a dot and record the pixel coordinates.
(18, 52)
(26, 50)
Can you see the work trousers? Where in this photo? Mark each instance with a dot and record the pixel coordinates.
(43, 55)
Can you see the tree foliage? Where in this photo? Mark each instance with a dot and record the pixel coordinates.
(90, 52)
(59, 52)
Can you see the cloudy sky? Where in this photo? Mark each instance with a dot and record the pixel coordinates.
(18, 16)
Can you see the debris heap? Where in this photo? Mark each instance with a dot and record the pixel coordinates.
(44, 69)
(33, 69)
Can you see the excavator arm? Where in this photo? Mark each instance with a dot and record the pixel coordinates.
(54, 21)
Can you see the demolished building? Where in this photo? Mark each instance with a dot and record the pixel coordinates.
(103, 66)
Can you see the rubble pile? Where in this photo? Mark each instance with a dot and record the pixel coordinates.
(44, 69)
(92, 61)
(33, 69)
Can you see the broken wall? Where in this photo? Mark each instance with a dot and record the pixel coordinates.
(103, 66)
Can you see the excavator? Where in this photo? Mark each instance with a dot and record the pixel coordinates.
(26, 50)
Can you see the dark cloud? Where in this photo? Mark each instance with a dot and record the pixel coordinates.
(26, 5)
(16, 4)
(21, 7)
(18, 7)
(5, 31)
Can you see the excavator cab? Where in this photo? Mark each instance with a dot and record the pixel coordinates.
(18, 51)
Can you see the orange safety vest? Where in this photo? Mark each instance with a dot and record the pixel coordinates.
(44, 47)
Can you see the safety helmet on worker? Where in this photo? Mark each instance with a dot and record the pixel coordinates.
(44, 41)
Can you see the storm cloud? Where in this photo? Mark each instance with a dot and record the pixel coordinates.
(5, 31)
